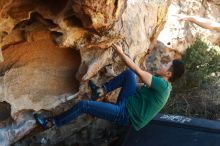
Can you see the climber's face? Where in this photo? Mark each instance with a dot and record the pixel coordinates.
(164, 71)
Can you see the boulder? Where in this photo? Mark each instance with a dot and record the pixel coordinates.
(177, 36)
(51, 48)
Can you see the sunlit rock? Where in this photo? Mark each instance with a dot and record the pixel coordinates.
(52, 48)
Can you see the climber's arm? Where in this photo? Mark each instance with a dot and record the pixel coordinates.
(202, 22)
(139, 85)
(145, 76)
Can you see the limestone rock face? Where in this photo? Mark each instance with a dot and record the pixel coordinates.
(38, 73)
(51, 48)
(22, 124)
(177, 36)
(49, 52)
(98, 15)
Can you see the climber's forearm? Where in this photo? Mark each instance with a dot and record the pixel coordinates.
(129, 62)
(145, 76)
(205, 23)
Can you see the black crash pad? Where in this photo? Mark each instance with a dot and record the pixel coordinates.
(174, 130)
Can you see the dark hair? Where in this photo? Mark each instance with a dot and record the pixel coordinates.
(177, 70)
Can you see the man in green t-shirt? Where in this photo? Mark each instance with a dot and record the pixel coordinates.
(135, 106)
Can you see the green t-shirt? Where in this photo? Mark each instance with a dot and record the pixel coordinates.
(143, 106)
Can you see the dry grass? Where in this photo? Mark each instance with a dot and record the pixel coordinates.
(203, 102)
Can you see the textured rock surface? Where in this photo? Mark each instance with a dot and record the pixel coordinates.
(100, 14)
(51, 48)
(31, 58)
(38, 73)
(12, 131)
(177, 36)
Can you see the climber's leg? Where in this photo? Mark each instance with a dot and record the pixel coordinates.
(127, 81)
(107, 111)
(126, 77)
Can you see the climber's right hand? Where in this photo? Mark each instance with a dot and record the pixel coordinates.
(118, 48)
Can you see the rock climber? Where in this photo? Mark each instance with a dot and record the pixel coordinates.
(135, 105)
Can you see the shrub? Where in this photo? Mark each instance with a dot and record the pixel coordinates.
(197, 92)
(202, 62)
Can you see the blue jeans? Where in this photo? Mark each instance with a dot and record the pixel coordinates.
(115, 113)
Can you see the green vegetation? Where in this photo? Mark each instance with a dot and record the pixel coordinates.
(202, 64)
(197, 93)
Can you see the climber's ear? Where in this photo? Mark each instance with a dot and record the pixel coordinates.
(168, 74)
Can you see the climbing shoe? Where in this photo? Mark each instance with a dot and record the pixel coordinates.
(46, 123)
(94, 88)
